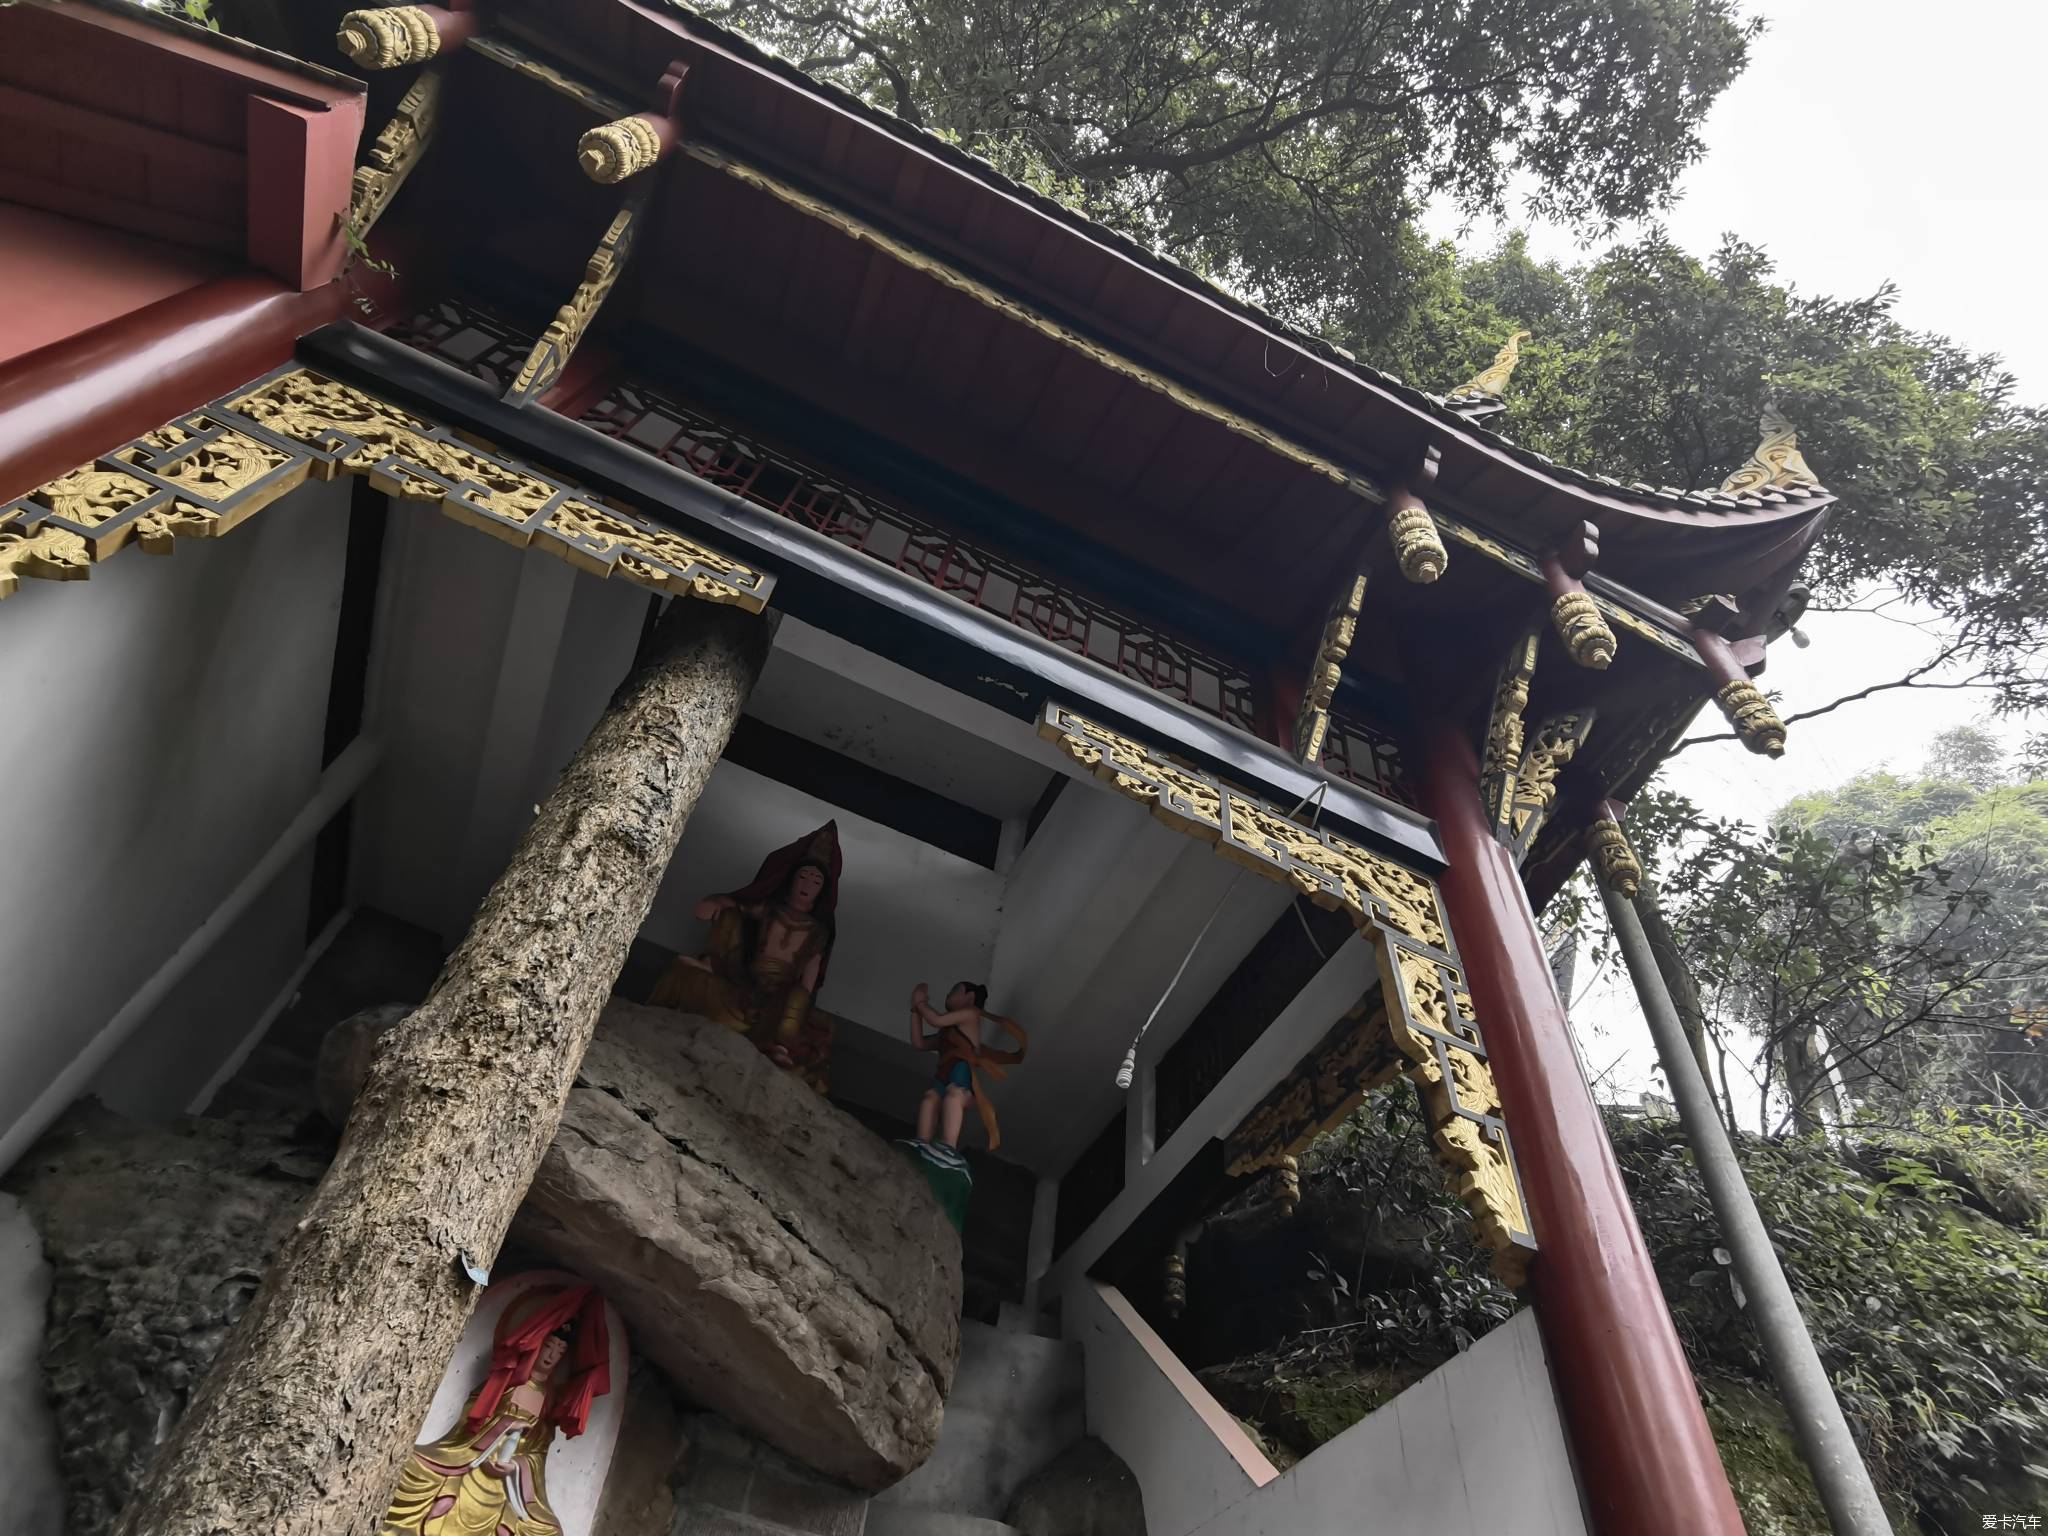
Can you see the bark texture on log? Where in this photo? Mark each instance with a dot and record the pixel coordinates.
(302, 1424)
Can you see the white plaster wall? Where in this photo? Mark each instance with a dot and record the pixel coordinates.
(1190, 1459)
(1100, 912)
(1477, 1445)
(160, 724)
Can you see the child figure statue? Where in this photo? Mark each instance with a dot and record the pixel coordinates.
(963, 1059)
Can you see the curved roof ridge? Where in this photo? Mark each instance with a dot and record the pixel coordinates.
(1805, 496)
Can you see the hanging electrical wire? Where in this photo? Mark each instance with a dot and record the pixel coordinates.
(1127, 1073)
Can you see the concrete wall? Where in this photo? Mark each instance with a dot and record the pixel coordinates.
(162, 725)
(1475, 1446)
(1017, 1403)
(491, 665)
(1189, 1456)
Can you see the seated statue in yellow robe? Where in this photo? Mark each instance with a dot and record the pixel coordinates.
(770, 944)
(488, 1477)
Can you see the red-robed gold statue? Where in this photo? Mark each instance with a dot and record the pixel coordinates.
(771, 942)
(550, 1357)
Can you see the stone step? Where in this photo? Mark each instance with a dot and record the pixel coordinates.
(1018, 1400)
(888, 1520)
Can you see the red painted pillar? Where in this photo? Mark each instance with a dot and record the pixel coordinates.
(66, 403)
(1646, 1459)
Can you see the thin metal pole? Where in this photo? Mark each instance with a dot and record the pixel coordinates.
(1817, 1423)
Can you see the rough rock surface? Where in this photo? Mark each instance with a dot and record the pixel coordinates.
(28, 1437)
(640, 1489)
(781, 1263)
(344, 1061)
(155, 1238)
(1086, 1490)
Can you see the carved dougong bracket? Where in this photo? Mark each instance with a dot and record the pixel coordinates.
(203, 474)
(1312, 725)
(1555, 744)
(398, 150)
(388, 37)
(1429, 1031)
(1503, 760)
(551, 354)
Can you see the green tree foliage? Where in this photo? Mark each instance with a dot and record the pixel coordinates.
(1283, 144)
(1919, 1257)
(1887, 939)
(1654, 365)
(1987, 836)
(1922, 1271)
(1282, 147)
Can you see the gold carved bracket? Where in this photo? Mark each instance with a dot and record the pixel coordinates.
(1525, 565)
(201, 475)
(1430, 1031)
(1503, 757)
(397, 152)
(1312, 724)
(551, 353)
(1550, 750)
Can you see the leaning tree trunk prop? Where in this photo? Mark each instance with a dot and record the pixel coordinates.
(303, 1422)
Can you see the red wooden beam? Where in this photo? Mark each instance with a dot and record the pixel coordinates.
(299, 166)
(65, 404)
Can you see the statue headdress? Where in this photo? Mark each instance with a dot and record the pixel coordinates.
(820, 848)
(585, 1373)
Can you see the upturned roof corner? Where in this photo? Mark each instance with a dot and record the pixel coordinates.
(1777, 462)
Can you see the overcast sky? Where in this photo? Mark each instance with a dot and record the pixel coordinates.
(1868, 140)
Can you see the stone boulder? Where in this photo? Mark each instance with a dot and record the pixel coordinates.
(781, 1263)
(1086, 1490)
(344, 1061)
(156, 1239)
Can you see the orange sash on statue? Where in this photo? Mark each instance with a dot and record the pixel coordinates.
(979, 1059)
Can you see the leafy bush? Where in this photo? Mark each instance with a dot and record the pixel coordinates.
(1930, 1315)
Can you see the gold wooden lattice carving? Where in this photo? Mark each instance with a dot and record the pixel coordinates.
(203, 474)
(1430, 1031)
(1356, 1058)
(1312, 724)
(194, 478)
(397, 151)
(1503, 759)
(551, 354)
